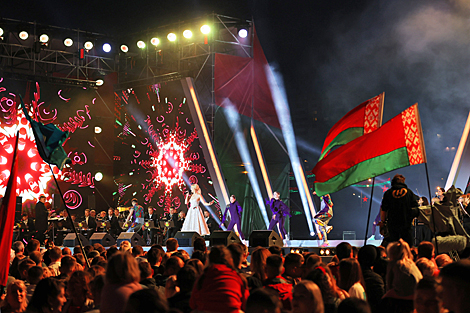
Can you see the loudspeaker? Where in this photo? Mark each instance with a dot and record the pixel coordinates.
(265, 238)
(104, 239)
(220, 237)
(18, 208)
(71, 240)
(186, 238)
(134, 238)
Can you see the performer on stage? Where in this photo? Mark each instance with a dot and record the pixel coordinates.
(210, 221)
(115, 229)
(25, 228)
(323, 217)
(171, 216)
(137, 215)
(90, 221)
(235, 216)
(150, 233)
(195, 219)
(280, 211)
(41, 218)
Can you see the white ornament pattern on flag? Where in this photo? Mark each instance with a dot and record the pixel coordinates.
(371, 115)
(412, 135)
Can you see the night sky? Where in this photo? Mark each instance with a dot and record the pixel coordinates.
(332, 56)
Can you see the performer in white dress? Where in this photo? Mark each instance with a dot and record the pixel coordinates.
(195, 218)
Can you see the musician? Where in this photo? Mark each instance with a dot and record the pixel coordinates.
(180, 221)
(66, 220)
(118, 215)
(115, 229)
(25, 227)
(90, 220)
(150, 233)
(172, 216)
(42, 215)
(102, 216)
(136, 213)
(211, 223)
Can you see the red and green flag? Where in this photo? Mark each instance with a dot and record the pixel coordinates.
(396, 144)
(363, 119)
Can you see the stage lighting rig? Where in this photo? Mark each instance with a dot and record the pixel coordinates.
(141, 44)
(68, 42)
(88, 45)
(205, 29)
(23, 35)
(242, 33)
(155, 41)
(187, 34)
(171, 36)
(107, 47)
(124, 48)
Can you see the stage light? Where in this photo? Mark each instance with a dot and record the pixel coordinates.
(205, 29)
(107, 47)
(155, 41)
(124, 48)
(44, 38)
(99, 82)
(242, 33)
(23, 35)
(98, 130)
(88, 45)
(187, 34)
(98, 176)
(171, 36)
(140, 44)
(1, 32)
(68, 42)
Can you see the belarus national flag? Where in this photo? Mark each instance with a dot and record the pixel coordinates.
(363, 119)
(396, 144)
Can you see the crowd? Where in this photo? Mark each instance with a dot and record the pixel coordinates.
(128, 279)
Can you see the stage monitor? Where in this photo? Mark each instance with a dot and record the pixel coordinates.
(104, 239)
(71, 240)
(220, 237)
(186, 238)
(134, 238)
(265, 238)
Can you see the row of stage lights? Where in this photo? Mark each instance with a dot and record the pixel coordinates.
(155, 41)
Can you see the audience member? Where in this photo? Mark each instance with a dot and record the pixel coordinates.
(185, 280)
(237, 253)
(96, 287)
(263, 300)
(137, 251)
(343, 251)
(331, 294)
(293, 267)
(425, 297)
(307, 298)
(172, 267)
(16, 300)
(274, 281)
(312, 261)
(146, 275)
(374, 284)
(48, 297)
(79, 293)
(276, 250)
(35, 274)
(18, 248)
(197, 265)
(442, 260)
(200, 255)
(55, 254)
(122, 279)
(258, 267)
(456, 286)
(426, 250)
(66, 251)
(172, 245)
(37, 257)
(24, 266)
(96, 270)
(199, 244)
(146, 300)
(350, 278)
(125, 246)
(354, 305)
(154, 258)
(426, 267)
(67, 267)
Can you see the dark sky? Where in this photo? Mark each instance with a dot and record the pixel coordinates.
(332, 56)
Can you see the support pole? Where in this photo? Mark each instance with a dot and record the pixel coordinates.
(370, 209)
(432, 208)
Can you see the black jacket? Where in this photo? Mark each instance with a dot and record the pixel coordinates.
(41, 216)
(398, 202)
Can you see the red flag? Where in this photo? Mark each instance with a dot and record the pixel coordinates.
(7, 218)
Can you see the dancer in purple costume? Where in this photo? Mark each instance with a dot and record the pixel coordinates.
(280, 211)
(235, 210)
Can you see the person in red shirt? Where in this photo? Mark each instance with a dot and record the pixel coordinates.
(274, 267)
(220, 288)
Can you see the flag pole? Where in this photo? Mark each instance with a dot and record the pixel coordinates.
(370, 209)
(432, 208)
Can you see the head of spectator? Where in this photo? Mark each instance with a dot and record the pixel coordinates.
(88, 249)
(79, 258)
(146, 271)
(35, 274)
(237, 254)
(344, 251)
(46, 272)
(276, 250)
(322, 277)
(96, 270)
(49, 296)
(353, 305)
(426, 250)
(173, 266)
(442, 260)
(18, 247)
(122, 269)
(146, 300)
(24, 266)
(307, 298)
(366, 256)
(426, 297)
(186, 278)
(137, 251)
(200, 255)
(172, 245)
(263, 300)
(78, 289)
(33, 245)
(15, 300)
(93, 254)
(350, 273)
(398, 251)
(426, 267)
(274, 266)
(66, 251)
(98, 247)
(456, 286)
(125, 246)
(293, 265)
(96, 286)
(36, 257)
(111, 251)
(199, 244)
(155, 256)
(67, 265)
(196, 264)
(311, 262)
(77, 249)
(258, 262)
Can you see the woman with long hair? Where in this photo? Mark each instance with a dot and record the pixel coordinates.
(351, 279)
(79, 293)
(16, 298)
(122, 279)
(332, 295)
(258, 267)
(220, 288)
(48, 297)
(307, 298)
(194, 220)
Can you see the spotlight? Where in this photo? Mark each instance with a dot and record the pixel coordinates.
(68, 42)
(97, 129)
(23, 35)
(242, 33)
(98, 176)
(155, 41)
(187, 34)
(124, 48)
(205, 29)
(107, 47)
(99, 82)
(140, 44)
(1, 32)
(171, 36)
(44, 38)
(88, 45)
